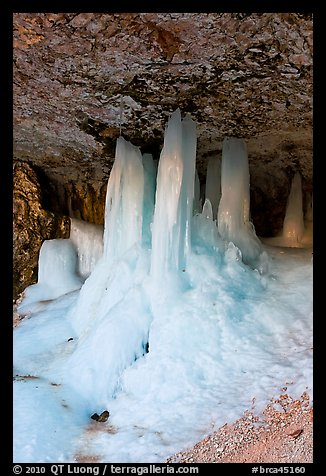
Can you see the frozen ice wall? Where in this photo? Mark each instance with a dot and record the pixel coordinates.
(233, 212)
(88, 240)
(293, 225)
(213, 184)
(174, 197)
(124, 201)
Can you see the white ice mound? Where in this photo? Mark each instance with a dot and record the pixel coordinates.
(57, 274)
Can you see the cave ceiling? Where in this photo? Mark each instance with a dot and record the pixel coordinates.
(80, 78)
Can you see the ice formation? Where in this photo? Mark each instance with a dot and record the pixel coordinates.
(110, 306)
(297, 231)
(88, 240)
(124, 202)
(233, 212)
(207, 211)
(174, 197)
(170, 318)
(57, 274)
(293, 225)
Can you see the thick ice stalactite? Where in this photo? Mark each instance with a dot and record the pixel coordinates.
(110, 305)
(88, 240)
(122, 231)
(233, 212)
(189, 143)
(174, 197)
(165, 253)
(293, 225)
(213, 184)
(124, 202)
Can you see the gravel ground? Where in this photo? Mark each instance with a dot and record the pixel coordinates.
(281, 434)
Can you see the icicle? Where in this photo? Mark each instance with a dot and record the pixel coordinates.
(88, 240)
(165, 250)
(124, 201)
(213, 184)
(293, 226)
(174, 197)
(207, 209)
(189, 143)
(110, 305)
(233, 212)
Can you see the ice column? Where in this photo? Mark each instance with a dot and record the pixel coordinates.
(293, 225)
(233, 212)
(213, 184)
(124, 201)
(189, 144)
(207, 211)
(174, 197)
(88, 240)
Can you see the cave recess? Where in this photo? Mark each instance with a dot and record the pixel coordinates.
(242, 75)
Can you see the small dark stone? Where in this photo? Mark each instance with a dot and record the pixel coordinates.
(101, 418)
(104, 416)
(296, 433)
